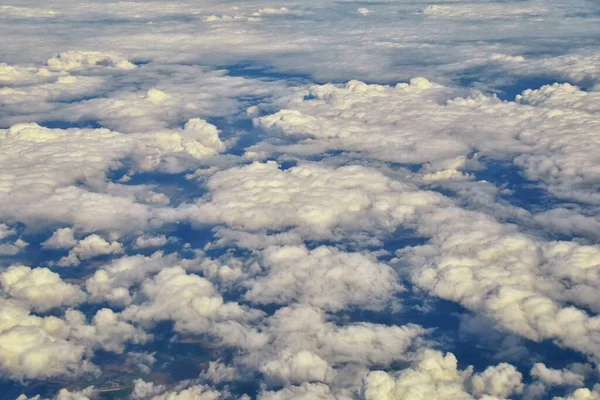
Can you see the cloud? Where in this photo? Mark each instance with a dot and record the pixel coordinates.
(148, 390)
(144, 242)
(6, 231)
(437, 376)
(71, 60)
(112, 282)
(89, 247)
(33, 347)
(548, 133)
(306, 391)
(193, 304)
(64, 394)
(483, 11)
(312, 197)
(537, 289)
(304, 346)
(324, 277)
(62, 238)
(552, 376)
(75, 163)
(39, 288)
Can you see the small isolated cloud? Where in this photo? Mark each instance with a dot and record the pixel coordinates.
(62, 238)
(89, 247)
(149, 241)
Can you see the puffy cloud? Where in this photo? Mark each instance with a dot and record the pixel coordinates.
(548, 133)
(84, 156)
(581, 394)
(39, 288)
(193, 304)
(62, 238)
(31, 352)
(107, 330)
(324, 277)
(6, 231)
(89, 247)
(35, 347)
(65, 394)
(71, 60)
(303, 346)
(552, 376)
(148, 390)
(303, 366)
(311, 197)
(306, 391)
(112, 282)
(147, 241)
(32, 347)
(437, 376)
(537, 289)
(11, 249)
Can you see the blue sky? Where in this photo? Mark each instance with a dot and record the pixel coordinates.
(378, 200)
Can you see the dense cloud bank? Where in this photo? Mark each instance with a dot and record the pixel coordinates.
(216, 201)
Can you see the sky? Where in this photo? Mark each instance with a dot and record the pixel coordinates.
(311, 200)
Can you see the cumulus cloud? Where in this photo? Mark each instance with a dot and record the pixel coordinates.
(148, 241)
(6, 231)
(39, 288)
(552, 376)
(193, 304)
(303, 346)
(548, 133)
(43, 347)
(436, 376)
(88, 59)
(85, 156)
(89, 247)
(149, 83)
(324, 277)
(62, 238)
(112, 282)
(311, 197)
(537, 289)
(33, 347)
(148, 390)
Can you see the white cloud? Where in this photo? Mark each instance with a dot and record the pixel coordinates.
(84, 156)
(193, 304)
(6, 231)
(552, 376)
(303, 366)
(537, 289)
(89, 247)
(88, 59)
(147, 241)
(314, 198)
(62, 238)
(437, 376)
(549, 133)
(112, 282)
(324, 277)
(39, 288)
(149, 391)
